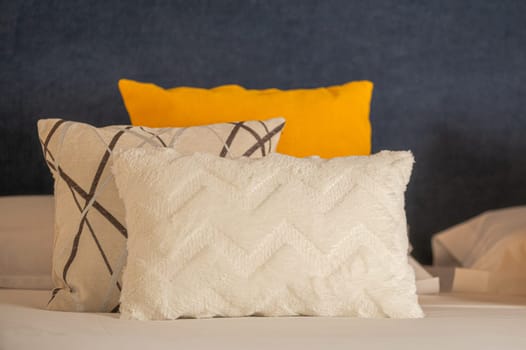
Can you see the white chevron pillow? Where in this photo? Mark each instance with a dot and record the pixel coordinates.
(277, 236)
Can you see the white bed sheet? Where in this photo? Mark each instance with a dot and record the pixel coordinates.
(452, 322)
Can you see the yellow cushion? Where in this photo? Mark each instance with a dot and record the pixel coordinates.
(328, 122)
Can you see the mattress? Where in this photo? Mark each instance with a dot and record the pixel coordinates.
(452, 322)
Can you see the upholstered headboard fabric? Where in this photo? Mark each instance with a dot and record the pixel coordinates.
(449, 79)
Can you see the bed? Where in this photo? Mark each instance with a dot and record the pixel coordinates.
(438, 92)
(454, 321)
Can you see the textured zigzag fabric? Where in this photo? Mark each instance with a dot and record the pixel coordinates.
(278, 236)
(90, 232)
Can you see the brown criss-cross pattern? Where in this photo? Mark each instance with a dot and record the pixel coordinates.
(93, 187)
(261, 141)
(75, 188)
(230, 138)
(48, 138)
(157, 137)
(267, 131)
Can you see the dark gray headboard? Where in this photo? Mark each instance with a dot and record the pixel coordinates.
(449, 79)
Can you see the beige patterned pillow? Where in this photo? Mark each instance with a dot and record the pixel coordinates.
(90, 233)
(277, 236)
